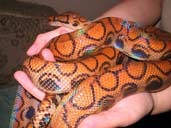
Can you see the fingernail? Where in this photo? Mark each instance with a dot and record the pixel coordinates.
(47, 55)
(40, 95)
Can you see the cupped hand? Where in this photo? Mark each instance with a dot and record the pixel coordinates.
(38, 47)
(124, 113)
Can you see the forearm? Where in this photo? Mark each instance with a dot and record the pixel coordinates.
(145, 12)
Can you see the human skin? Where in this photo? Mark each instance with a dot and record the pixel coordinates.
(131, 109)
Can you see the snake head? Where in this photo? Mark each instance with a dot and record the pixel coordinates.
(68, 19)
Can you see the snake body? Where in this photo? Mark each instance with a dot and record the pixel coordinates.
(96, 66)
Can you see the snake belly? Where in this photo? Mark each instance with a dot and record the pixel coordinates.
(92, 72)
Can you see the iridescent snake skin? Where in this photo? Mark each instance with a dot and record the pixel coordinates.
(96, 66)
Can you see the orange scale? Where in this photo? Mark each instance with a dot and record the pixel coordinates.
(35, 63)
(134, 33)
(65, 48)
(108, 81)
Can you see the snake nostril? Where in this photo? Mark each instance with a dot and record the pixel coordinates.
(75, 24)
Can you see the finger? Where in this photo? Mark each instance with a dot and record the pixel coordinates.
(124, 113)
(47, 55)
(43, 39)
(23, 79)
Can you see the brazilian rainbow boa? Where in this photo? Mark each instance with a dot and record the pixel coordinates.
(98, 64)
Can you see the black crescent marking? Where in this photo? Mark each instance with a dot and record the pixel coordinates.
(154, 50)
(62, 21)
(113, 25)
(87, 67)
(36, 70)
(78, 79)
(102, 37)
(110, 58)
(138, 77)
(165, 73)
(115, 74)
(73, 44)
(166, 55)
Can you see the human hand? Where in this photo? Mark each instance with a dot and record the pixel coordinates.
(38, 47)
(130, 109)
(124, 113)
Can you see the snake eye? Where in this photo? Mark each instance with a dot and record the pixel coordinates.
(75, 24)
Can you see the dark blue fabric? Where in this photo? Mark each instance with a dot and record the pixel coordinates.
(7, 97)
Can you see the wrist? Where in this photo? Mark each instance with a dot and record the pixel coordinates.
(161, 101)
(145, 12)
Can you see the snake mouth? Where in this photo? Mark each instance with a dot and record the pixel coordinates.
(53, 24)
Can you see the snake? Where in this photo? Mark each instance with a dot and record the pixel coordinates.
(97, 65)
